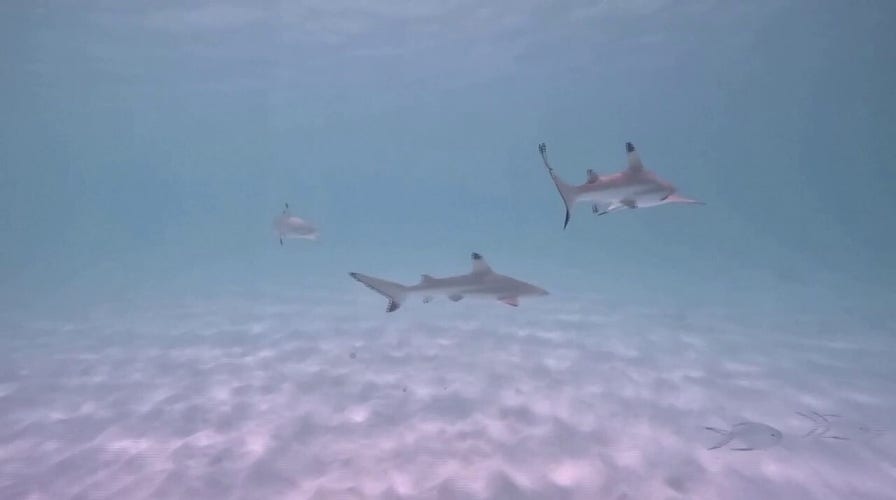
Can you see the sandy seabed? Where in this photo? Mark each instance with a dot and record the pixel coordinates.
(330, 398)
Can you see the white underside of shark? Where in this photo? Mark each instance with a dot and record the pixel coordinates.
(288, 226)
(482, 281)
(634, 187)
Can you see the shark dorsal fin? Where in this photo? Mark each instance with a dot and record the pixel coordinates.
(425, 278)
(479, 264)
(634, 159)
(592, 176)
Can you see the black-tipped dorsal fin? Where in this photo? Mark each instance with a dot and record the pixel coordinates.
(634, 159)
(591, 176)
(479, 264)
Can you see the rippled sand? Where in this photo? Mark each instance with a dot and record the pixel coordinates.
(334, 399)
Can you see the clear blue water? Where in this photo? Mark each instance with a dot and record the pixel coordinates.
(145, 149)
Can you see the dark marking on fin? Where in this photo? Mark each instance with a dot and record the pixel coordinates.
(393, 305)
(592, 177)
(543, 149)
(629, 147)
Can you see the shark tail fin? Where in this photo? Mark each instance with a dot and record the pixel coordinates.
(567, 191)
(395, 292)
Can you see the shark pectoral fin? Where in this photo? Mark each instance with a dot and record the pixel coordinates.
(510, 301)
(599, 210)
(455, 297)
(628, 202)
(676, 198)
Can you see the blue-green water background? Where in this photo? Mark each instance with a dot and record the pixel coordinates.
(145, 148)
(157, 342)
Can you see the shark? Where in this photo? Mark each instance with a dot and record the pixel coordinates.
(481, 281)
(634, 187)
(287, 225)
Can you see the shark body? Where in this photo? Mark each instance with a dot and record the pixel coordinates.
(481, 281)
(634, 187)
(287, 225)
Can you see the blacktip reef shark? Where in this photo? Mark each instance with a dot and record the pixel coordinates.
(287, 225)
(634, 187)
(481, 281)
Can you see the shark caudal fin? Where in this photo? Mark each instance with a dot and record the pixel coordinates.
(567, 191)
(393, 291)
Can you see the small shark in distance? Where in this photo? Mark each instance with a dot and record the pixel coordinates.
(481, 281)
(634, 187)
(287, 225)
